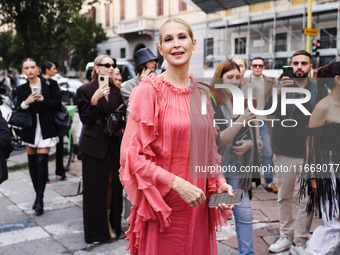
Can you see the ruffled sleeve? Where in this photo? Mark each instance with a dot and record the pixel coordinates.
(144, 182)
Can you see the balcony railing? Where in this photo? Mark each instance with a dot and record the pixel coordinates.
(138, 25)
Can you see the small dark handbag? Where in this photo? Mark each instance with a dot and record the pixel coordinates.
(21, 118)
(63, 121)
(243, 134)
(115, 121)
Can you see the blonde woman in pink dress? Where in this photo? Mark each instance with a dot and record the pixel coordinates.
(163, 137)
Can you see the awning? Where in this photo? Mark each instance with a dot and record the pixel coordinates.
(210, 6)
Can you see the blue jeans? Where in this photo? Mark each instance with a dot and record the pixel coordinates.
(243, 213)
(267, 153)
(243, 220)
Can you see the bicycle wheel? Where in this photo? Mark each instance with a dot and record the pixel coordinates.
(68, 151)
(16, 139)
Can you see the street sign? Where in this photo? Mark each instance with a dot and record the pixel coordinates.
(310, 31)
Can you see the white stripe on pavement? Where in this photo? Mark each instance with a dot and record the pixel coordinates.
(27, 234)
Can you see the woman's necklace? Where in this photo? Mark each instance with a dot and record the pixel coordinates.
(335, 98)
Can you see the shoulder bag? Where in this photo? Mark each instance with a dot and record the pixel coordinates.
(63, 121)
(21, 118)
(115, 121)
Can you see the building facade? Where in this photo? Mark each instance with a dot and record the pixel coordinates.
(272, 30)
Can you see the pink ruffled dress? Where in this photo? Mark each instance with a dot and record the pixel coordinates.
(156, 148)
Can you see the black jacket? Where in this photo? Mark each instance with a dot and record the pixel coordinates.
(46, 109)
(290, 141)
(5, 138)
(94, 141)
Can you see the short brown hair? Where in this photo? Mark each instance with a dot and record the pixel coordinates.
(302, 52)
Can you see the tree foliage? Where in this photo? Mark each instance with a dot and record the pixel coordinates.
(47, 30)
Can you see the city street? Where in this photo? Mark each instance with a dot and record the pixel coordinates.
(60, 229)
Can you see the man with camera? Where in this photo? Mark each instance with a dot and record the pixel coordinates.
(289, 151)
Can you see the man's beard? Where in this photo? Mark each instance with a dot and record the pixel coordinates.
(304, 75)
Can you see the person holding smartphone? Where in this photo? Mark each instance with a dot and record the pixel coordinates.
(170, 213)
(102, 190)
(145, 65)
(237, 148)
(289, 149)
(41, 99)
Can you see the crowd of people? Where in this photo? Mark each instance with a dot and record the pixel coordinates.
(152, 157)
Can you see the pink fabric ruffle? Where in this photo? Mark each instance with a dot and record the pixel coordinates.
(145, 182)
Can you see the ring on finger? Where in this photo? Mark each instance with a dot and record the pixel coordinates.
(105, 93)
(192, 204)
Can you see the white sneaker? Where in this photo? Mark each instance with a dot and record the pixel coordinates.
(282, 244)
(298, 250)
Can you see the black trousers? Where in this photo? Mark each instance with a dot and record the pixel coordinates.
(95, 189)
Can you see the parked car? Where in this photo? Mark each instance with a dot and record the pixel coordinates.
(69, 88)
(127, 70)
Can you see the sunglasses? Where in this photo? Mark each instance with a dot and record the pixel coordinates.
(107, 65)
(257, 66)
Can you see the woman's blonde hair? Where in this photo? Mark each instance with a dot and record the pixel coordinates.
(98, 61)
(244, 61)
(177, 20)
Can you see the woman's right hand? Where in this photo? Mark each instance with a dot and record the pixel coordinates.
(191, 194)
(32, 98)
(99, 93)
(146, 73)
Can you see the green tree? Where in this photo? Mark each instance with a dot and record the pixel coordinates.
(42, 28)
(82, 39)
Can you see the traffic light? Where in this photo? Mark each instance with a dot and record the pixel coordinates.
(315, 48)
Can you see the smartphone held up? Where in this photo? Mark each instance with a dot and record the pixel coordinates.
(288, 71)
(102, 80)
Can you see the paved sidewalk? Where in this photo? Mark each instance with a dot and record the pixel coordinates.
(60, 229)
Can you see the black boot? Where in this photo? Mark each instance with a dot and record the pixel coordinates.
(41, 184)
(33, 169)
(60, 170)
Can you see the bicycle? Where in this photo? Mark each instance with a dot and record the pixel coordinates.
(68, 145)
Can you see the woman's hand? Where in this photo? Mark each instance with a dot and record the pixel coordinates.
(191, 194)
(259, 143)
(40, 98)
(314, 186)
(146, 73)
(243, 147)
(32, 98)
(226, 188)
(99, 93)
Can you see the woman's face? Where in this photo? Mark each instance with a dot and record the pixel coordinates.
(106, 67)
(52, 71)
(241, 65)
(232, 77)
(151, 65)
(176, 46)
(30, 68)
